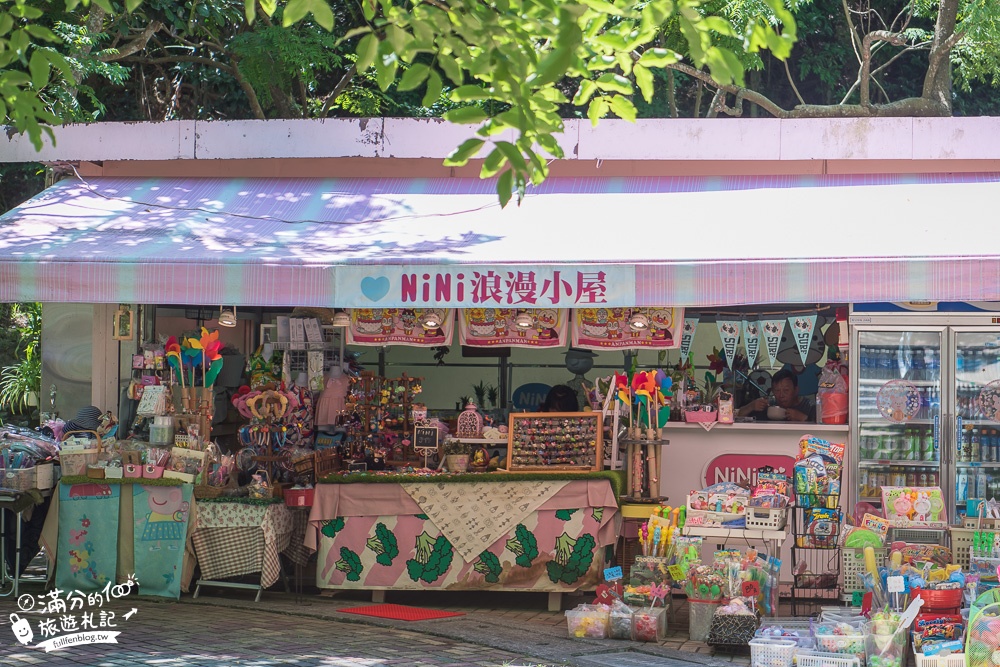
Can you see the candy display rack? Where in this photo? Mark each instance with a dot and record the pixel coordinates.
(816, 556)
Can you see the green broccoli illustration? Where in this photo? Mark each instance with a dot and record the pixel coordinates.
(489, 565)
(565, 515)
(422, 517)
(598, 514)
(384, 544)
(351, 564)
(432, 558)
(523, 545)
(572, 558)
(332, 527)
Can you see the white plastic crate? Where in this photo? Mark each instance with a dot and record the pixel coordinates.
(951, 660)
(765, 652)
(824, 659)
(961, 543)
(764, 518)
(853, 564)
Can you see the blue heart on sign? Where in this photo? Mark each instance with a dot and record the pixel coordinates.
(375, 288)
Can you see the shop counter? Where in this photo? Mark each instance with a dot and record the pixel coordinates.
(543, 533)
(240, 537)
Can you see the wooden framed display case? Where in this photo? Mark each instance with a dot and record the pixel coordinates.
(541, 441)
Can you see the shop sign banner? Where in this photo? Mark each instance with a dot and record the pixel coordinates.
(499, 327)
(400, 326)
(729, 330)
(608, 328)
(772, 331)
(507, 286)
(742, 468)
(88, 536)
(162, 514)
(687, 336)
(751, 340)
(802, 331)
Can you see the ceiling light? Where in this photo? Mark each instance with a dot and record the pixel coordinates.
(431, 320)
(227, 318)
(341, 319)
(524, 320)
(638, 322)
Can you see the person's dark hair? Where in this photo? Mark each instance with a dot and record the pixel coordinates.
(560, 399)
(785, 374)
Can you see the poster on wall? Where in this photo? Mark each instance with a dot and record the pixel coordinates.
(416, 327)
(614, 328)
(88, 536)
(507, 327)
(161, 524)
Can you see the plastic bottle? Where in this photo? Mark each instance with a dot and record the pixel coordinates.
(977, 449)
(917, 368)
(888, 364)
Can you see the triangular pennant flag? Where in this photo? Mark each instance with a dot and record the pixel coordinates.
(687, 336)
(772, 330)
(802, 331)
(751, 340)
(729, 330)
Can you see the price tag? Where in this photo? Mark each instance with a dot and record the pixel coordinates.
(658, 592)
(750, 589)
(895, 584)
(613, 574)
(677, 572)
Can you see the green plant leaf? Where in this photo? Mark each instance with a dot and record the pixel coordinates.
(451, 68)
(513, 155)
(644, 79)
(469, 94)
(657, 58)
(461, 155)
(623, 108)
(597, 109)
(39, 68)
(493, 163)
(366, 52)
(585, 92)
(614, 83)
(434, 88)
(386, 64)
(505, 187)
(413, 77)
(466, 115)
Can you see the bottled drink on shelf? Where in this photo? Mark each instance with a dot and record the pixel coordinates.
(927, 444)
(977, 450)
(980, 485)
(917, 365)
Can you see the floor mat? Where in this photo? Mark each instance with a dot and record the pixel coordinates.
(400, 612)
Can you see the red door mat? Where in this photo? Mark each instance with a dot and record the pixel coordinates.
(399, 612)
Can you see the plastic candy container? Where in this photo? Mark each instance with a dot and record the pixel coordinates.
(588, 621)
(620, 621)
(841, 638)
(649, 625)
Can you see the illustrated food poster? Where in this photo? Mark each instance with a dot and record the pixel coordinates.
(499, 327)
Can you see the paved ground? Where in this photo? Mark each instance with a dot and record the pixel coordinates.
(225, 627)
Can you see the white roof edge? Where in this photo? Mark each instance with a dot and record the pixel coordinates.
(741, 139)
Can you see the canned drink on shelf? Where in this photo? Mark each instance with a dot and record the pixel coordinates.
(922, 479)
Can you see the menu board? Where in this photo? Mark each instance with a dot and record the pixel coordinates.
(554, 441)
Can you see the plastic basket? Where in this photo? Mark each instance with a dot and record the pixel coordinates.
(853, 564)
(961, 543)
(766, 652)
(763, 518)
(951, 660)
(19, 479)
(701, 416)
(75, 461)
(824, 659)
(939, 601)
(588, 621)
(844, 644)
(887, 650)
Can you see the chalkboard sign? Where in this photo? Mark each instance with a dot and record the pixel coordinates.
(425, 437)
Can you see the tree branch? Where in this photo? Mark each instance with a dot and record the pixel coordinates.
(788, 73)
(338, 89)
(855, 41)
(133, 46)
(914, 47)
(182, 59)
(866, 59)
(751, 96)
(937, 80)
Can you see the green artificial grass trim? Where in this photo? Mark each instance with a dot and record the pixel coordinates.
(241, 500)
(615, 477)
(146, 481)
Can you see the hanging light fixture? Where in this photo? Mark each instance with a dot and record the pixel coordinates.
(524, 320)
(341, 319)
(638, 322)
(431, 320)
(227, 318)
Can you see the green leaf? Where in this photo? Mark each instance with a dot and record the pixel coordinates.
(505, 187)
(250, 9)
(623, 108)
(597, 109)
(41, 32)
(132, 5)
(434, 87)
(469, 93)
(603, 7)
(269, 6)
(323, 14)
(386, 64)
(644, 79)
(719, 25)
(295, 11)
(399, 38)
(451, 68)
(466, 115)
(513, 155)
(553, 66)
(413, 77)
(586, 91)
(39, 68)
(367, 51)
(614, 83)
(657, 58)
(493, 163)
(461, 155)
(368, 8)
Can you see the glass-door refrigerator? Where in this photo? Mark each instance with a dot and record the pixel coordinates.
(976, 354)
(896, 408)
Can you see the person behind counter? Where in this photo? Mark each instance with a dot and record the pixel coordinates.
(785, 387)
(561, 398)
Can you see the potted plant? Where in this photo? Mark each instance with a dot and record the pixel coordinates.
(21, 383)
(456, 455)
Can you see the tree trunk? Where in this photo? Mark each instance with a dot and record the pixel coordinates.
(937, 81)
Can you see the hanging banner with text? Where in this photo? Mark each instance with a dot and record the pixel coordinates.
(802, 331)
(772, 331)
(609, 328)
(401, 326)
(506, 327)
(687, 336)
(509, 286)
(729, 331)
(751, 340)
